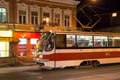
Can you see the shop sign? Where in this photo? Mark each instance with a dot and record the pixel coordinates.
(6, 34)
(26, 35)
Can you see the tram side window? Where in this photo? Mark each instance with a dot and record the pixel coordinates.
(100, 41)
(60, 41)
(114, 41)
(70, 41)
(84, 41)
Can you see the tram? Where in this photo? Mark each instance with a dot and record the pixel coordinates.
(74, 48)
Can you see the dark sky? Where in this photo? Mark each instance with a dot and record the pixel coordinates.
(105, 5)
(113, 5)
(102, 7)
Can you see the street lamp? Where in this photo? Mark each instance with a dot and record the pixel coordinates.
(93, 0)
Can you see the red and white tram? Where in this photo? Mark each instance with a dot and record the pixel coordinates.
(71, 48)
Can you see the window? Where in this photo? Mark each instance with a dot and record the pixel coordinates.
(114, 41)
(57, 16)
(100, 41)
(46, 16)
(67, 18)
(67, 21)
(57, 19)
(50, 43)
(84, 41)
(22, 17)
(70, 41)
(22, 47)
(34, 17)
(34, 14)
(33, 44)
(4, 49)
(22, 13)
(3, 15)
(60, 41)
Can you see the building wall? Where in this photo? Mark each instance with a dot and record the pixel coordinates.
(115, 21)
(64, 10)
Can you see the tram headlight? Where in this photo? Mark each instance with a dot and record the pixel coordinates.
(40, 56)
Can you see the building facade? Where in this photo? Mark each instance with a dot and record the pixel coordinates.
(22, 20)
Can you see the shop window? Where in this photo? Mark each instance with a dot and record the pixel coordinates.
(22, 47)
(4, 49)
(3, 15)
(33, 42)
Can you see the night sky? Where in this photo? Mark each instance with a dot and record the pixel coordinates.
(102, 7)
(105, 4)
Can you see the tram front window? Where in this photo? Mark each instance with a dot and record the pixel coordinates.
(50, 43)
(42, 41)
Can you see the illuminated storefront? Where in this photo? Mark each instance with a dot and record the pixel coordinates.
(5, 38)
(4, 49)
(26, 44)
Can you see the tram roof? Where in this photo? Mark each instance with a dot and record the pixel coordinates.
(61, 30)
(87, 33)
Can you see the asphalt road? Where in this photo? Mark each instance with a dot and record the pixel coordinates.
(105, 72)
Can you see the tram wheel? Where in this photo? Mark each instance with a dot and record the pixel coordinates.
(95, 63)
